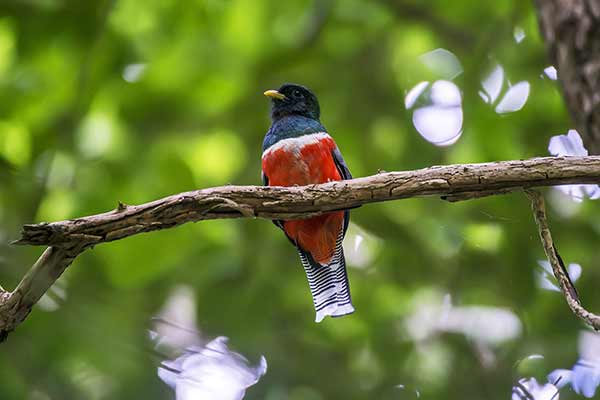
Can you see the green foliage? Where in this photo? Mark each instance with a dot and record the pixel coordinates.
(129, 101)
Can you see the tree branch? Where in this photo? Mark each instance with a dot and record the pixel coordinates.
(67, 239)
(452, 182)
(572, 32)
(16, 305)
(558, 267)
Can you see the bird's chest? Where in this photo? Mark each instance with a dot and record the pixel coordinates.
(301, 160)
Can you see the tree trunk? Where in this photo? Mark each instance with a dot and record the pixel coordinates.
(571, 29)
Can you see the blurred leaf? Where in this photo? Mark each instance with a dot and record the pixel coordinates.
(215, 157)
(7, 46)
(485, 237)
(15, 142)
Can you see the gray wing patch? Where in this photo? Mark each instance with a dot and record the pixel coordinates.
(341, 164)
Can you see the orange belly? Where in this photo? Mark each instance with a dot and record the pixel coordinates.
(301, 162)
(317, 235)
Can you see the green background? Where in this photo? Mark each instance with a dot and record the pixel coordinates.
(76, 137)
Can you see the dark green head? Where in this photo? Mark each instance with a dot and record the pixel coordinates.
(291, 99)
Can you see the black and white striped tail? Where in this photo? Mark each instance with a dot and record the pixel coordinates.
(329, 284)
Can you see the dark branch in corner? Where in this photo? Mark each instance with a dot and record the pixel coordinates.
(558, 267)
(572, 30)
(16, 305)
(67, 239)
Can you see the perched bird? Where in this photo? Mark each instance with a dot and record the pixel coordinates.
(297, 150)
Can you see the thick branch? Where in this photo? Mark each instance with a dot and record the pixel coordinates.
(558, 267)
(67, 239)
(572, 32)
(452, 182)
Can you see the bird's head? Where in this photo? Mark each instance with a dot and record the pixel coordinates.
(291, 99)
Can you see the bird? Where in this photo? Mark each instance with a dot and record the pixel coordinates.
(298, 151)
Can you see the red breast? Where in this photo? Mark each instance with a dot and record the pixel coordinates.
(302, 161)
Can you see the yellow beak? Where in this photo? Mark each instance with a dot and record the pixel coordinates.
(274, 94)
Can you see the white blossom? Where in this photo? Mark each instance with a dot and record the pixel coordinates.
(530, 389)
(546, 280)
(572, 145)
(211, 372)
(584, 377)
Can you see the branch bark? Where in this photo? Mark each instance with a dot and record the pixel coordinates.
(67, 239)
(558, 267)
(452, 182)
(16, 305)
(571, 29)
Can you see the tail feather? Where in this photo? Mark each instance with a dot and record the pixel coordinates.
(329, 284)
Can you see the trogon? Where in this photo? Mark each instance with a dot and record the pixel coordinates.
(297, 150)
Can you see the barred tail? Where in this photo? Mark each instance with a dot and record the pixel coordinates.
(328, 284)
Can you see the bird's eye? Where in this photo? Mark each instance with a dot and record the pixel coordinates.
(296, 93)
